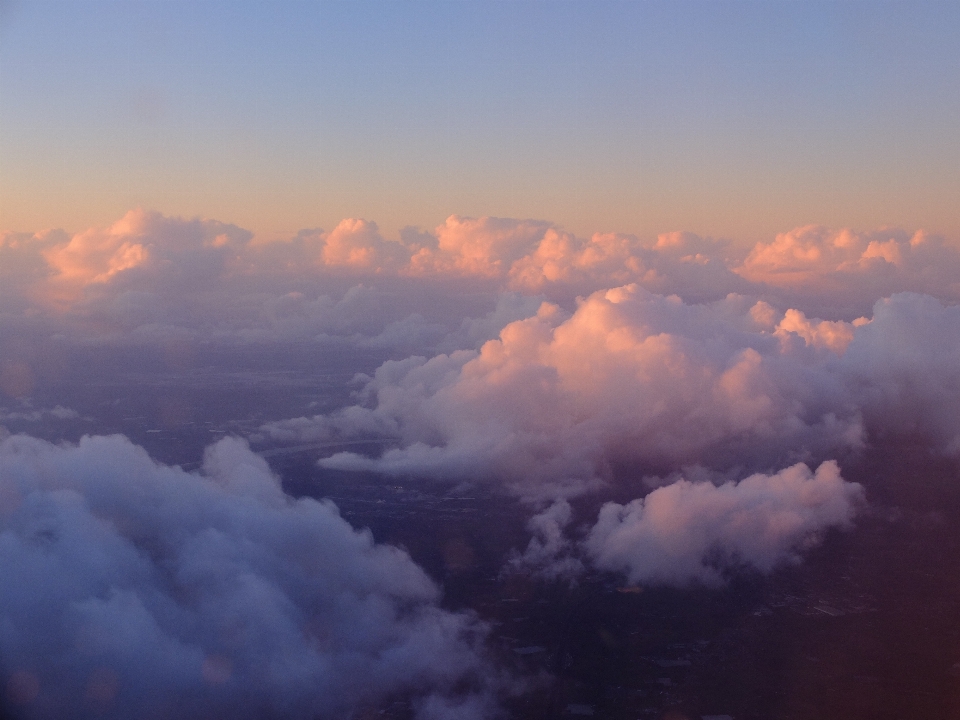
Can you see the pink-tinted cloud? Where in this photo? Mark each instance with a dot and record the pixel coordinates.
(556, 401)
(357, 244)
(149, 272)
(544, 363)
(848, 267)
(559, 401)
(485, 246)
(141, 251)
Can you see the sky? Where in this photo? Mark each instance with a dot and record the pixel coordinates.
(728, 119)
(666, 276)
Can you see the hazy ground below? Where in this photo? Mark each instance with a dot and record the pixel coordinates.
(868, 626)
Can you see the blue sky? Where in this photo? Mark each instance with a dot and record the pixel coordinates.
(726, 118)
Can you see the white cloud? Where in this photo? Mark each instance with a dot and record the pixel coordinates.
(142, 590)
(678, 351)
(693, 532)
(557, 401)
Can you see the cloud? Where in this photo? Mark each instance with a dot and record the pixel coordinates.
(148, 276)
(678, 263)
(850, 270)
(550, 552)
(634, 383)
(484, 246)
(23, 269)
(33, 415)
(359, 245)
(146, 591)
(146, 248)
(835, 335)
(553, 405)
(695, 532)
(526, 357)
(902, 370)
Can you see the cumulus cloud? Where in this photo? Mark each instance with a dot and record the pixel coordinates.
(484, 246)
(556, 402)
(550, 364)
(148, 276)
(358, 244)
(146, 248)
(848, 270)
(902, 369)
(835, 335)
(145, 591)
(638, 381)
(678, 263)
(23, 264)
(694, 532)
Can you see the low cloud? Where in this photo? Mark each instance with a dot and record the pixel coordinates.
(523, 356)
(848, 271)
(550, 553)
(147, 276)
(902, 369)
(145, 250)
(145, 591)
(695, 532)
(553, 405)
(35, 415)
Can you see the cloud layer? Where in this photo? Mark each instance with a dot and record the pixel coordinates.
(634, 383)
(551, 365)
(147, 276)
(145, 591)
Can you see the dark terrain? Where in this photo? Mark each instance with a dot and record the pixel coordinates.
(867, 627)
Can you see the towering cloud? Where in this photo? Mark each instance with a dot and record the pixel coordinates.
(358, 244)
(145, 591)
(556, 402)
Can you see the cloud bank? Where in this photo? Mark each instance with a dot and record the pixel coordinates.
(556, 403)
(145, 591)
(633, 383)
(551, 365)
(148, 275)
